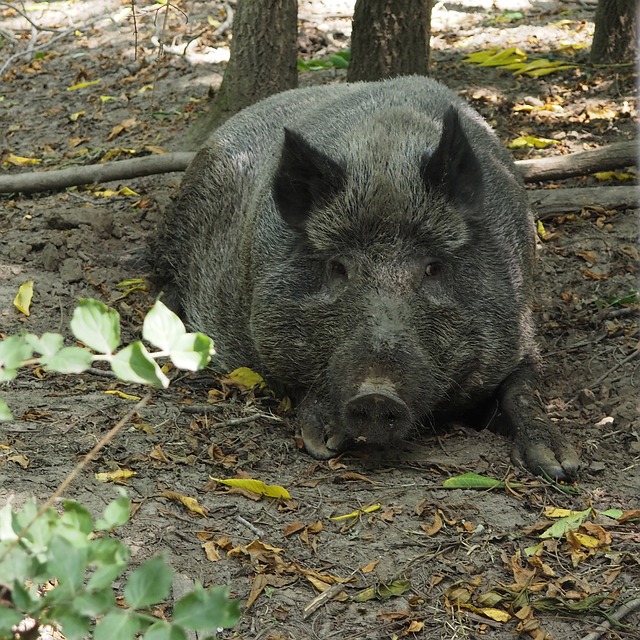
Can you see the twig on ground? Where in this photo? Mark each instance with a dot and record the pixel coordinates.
(625, 609)
(255, 530)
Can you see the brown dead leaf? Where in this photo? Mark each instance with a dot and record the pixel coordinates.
(21, 460)
(125, 125)
(587, 273)
(415, 626)
(158, 454)
(432, 529)
(521, 574)
(292, 528)
(352, 475)
(588, 256)
(630, 514)
(370, 566)
(211, 550)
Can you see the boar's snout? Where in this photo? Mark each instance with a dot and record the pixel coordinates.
(376, 413)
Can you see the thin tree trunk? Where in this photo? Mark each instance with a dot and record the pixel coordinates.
(263, 62)
(390, 38)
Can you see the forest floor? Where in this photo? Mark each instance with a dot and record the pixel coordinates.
(458, 549)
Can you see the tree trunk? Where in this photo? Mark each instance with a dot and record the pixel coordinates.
(263, 62)
(615, 39)
(390, 38)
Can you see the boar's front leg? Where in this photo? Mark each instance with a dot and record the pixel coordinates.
(537, 443)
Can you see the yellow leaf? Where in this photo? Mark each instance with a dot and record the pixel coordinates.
(122, 394)
(74, 116)
(481, 56)
(542, 232)
(22, 301)
(358, 512)
(257, 486)
(114, 476)
(496, 57)
(83, 85)
(247, 378)
(125, 191)
(531, 141)
(613, 175)
(20, 161)
(490, 612)
(588, 541)
(191, 503)
(557, 512)
(495, 614)
(107, 98)
(537, 73)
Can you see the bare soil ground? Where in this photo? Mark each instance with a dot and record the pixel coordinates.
(79, 243)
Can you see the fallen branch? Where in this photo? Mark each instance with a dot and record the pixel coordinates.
(575, 164)
(581, 163)
(93, 173)
(547, 202)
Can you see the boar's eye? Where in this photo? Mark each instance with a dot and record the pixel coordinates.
(432, 269)
(338, 271)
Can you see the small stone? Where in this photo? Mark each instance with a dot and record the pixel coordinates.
(71, 270)
(50, 257)
(597, 467)
(586, 396)
(18, 251)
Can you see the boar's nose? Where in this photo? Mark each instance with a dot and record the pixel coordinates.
(377, 413)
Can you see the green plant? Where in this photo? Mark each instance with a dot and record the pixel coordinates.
(54, 568)
(78, 568)
(98, 327)
(338, 60)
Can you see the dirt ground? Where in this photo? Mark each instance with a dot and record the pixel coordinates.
(454, 546)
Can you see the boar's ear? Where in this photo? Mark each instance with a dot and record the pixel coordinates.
(304, 179)
(453, 166)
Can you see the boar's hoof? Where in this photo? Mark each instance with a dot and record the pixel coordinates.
(315, 442)
(554, 457)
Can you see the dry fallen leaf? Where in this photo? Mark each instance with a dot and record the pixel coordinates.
(119, 475)
(191, 503)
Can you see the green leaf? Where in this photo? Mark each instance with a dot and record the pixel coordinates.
(67, 562)
(5, 412)
(612, 513)
(68, 360)
(110, 557)
(560, 528)
(21, 598)
(202, 609)
(47, 345)
(161, 327)
(163, 630)
(148, 584)
(97, 326)
(77, 517)
(118, 625)
(8, 619)
(192, 351)
(74, 625)
(115, 515)
(475, 481)
(134, 364)
(13, 352)
(95, 603)
(338, 61)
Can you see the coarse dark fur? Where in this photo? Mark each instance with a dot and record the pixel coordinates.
(367, 247)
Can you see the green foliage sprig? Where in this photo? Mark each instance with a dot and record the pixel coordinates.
(79, 567)
(98, 327)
